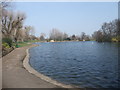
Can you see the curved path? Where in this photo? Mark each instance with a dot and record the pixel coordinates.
(16, 76)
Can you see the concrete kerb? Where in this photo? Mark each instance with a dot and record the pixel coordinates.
(43, 77)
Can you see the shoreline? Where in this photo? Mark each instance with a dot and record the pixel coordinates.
(14, 75)
(31, 70)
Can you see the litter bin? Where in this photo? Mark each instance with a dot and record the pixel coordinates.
(17, 46)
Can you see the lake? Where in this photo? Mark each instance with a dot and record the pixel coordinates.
(83, 64)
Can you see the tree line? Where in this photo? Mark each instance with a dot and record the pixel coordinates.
(57, 35)
(13, 30)
(108, 32)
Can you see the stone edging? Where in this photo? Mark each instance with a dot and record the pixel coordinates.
(43, 77)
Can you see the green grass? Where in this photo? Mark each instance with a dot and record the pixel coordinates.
(22, 44)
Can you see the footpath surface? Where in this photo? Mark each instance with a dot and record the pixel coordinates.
(14, 75)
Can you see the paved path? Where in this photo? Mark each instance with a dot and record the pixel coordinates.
(0, 73)
(14, 74)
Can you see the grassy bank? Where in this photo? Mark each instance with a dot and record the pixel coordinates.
(22, 44)
(8, 45)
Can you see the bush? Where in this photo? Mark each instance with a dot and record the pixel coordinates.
(5, 45)
(118, 38)
(8, 41)
(6, 49)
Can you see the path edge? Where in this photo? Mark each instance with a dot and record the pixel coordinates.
(30, 69)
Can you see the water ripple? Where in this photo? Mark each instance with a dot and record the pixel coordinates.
(78, 63)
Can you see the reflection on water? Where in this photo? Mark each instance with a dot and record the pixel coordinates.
(84, 64)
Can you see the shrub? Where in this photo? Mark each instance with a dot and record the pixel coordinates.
(5, 45)
(8, 41)
(118, 38)
(6, 49)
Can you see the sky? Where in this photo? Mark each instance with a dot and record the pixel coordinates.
(69, 17)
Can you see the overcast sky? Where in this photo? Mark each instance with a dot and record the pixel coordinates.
(69, 17)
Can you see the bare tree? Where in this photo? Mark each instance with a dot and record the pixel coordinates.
(73, 37)
(42, 36)
(5, 4)
(20, 35)
(29, 32)
(98, 36)
(56, 35)
(83, 35)
(110, 30)
(11, 24)
(65, 36)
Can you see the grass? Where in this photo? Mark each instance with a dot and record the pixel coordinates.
(22, 44)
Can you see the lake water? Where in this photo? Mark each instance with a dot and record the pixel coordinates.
(83, 64)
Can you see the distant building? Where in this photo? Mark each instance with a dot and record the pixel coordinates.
(83, 39)
(52, 41)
